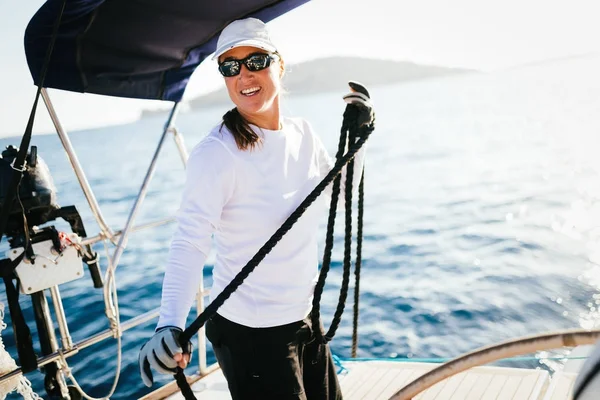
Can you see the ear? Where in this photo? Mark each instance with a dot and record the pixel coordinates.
(281, 68)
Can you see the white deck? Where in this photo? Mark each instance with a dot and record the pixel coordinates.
(380, 379)
(561, 386)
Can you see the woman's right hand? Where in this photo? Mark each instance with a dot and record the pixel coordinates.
(163, 353)
(359, 96)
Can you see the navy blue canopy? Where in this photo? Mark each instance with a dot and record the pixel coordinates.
(144, 49)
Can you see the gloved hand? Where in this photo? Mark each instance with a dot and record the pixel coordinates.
(359, 96)
(158, 353)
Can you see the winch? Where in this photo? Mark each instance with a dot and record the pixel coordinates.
(40, 257)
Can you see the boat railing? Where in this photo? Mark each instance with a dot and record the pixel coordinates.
(76, 165)
(119, 239)
(69, 351)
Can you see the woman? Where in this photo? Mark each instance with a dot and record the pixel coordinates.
(243, 180)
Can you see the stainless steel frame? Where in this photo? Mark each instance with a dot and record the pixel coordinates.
(83, 182)
(179, 142)
(100, 237)
(143, 190)
(60, 379)
(65, 336)
(86, 343)
(92, 340)
(202, 369)
(106, 233)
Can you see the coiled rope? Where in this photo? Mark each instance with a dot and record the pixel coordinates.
(358, 136)
(350, 126)
(20, 384)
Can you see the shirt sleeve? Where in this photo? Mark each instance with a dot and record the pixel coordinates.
(210, 181)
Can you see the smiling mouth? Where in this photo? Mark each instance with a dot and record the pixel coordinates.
(250, 91)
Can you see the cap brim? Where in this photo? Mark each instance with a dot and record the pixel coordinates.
(259, 44)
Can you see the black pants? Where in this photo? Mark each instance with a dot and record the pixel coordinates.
(280, 362)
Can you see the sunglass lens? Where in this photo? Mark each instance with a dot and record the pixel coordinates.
(255, 62)
(258, 62)
(230, 68)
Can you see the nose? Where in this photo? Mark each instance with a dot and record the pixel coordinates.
(244, 71)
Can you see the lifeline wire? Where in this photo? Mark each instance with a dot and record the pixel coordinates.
(112, 312)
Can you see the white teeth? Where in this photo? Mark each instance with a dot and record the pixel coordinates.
(251, 90)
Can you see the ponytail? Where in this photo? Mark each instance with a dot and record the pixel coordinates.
(244, 136)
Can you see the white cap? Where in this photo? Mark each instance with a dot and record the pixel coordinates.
(244, 32)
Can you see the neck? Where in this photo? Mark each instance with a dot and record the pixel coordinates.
(269, 119)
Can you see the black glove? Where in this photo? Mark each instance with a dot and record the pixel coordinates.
(158, 353)
(359, 96)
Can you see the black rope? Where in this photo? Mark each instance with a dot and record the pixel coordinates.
(349, 115)
(325, 266)
(339, 311)
(357, 265)
(315, 314)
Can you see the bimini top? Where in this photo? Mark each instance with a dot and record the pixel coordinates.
(145, 49)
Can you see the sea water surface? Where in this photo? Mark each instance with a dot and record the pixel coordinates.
(482, 216)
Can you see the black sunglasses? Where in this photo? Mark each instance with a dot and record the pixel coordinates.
(254, 62)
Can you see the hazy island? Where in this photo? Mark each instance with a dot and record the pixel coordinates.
(333, 73)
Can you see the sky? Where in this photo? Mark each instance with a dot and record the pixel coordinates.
(486, 35)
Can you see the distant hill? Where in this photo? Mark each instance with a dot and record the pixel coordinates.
(554, 60)
(333, 73)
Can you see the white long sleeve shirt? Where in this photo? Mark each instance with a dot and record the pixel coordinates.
(239, 199)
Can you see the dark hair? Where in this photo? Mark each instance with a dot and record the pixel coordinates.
(244, 136)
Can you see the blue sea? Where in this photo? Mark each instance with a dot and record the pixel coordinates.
(482, 216)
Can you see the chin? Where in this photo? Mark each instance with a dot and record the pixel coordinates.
(253, 107)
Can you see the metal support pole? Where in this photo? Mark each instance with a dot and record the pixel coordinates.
(60, 379)
(202, 364)
(65, 336)
(201, 336)
(143, 190)
(180, 143)
(47, 346)
(100, 237)
(83, 182)
(97, 338)
(132, 323)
